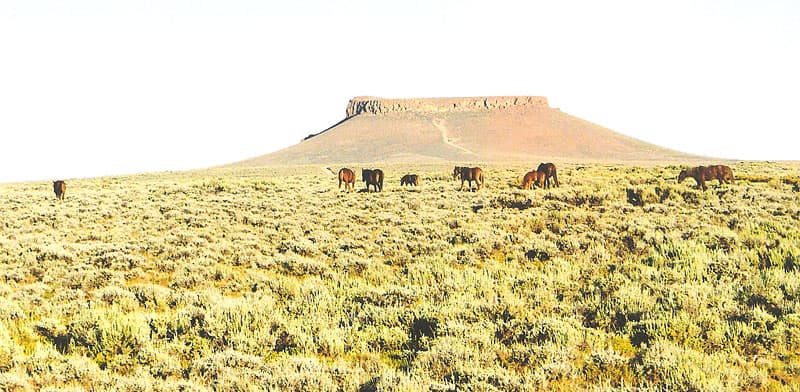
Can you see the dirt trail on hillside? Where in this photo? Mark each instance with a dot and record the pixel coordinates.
(442, 127)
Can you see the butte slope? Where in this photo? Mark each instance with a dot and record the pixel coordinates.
(476, 129)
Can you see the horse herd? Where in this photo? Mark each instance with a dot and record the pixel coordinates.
(541, 177)
(545, 176)
(374, 177)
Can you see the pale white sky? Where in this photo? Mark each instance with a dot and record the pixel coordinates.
(99, 87)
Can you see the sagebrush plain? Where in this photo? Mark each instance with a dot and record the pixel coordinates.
(273, 279)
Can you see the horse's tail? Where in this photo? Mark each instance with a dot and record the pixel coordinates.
(481, 177)
(380, 180)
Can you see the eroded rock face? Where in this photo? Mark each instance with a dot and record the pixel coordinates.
(381, 106)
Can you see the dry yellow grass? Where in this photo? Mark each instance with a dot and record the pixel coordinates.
(272, 279)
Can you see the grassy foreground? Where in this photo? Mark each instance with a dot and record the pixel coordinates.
(271, 279)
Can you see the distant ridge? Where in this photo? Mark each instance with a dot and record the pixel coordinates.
(476, 129)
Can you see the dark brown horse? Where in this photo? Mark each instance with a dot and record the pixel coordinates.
(701, 174)
(549, 171)
(60, 188)
(533, 177)
(347, 177)
(373, 177)
(469, 174)
(410, 179)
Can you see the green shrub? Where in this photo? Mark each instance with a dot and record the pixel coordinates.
(269, 279)
(664, 365)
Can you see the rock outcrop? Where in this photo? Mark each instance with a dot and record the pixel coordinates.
(382, 106)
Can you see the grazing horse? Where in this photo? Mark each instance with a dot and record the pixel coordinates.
(373, 177)
(60, 188)
(533, 177)
(347, 177)
(469, 174)
(410, 179)
(549, 171)
(701, 174)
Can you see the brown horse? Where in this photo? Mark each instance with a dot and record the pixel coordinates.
(469, 174)
(60, 189)
(549, 171)
(701, 174)
(347, 177)
(533, 177)
(410, 179)
(373, 177)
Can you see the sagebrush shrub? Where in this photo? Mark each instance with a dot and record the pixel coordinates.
(272, 279)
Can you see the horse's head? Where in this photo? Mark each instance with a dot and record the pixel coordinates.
(682, 176)
(456, 172)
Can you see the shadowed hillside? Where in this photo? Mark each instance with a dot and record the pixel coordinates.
(457, 129)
